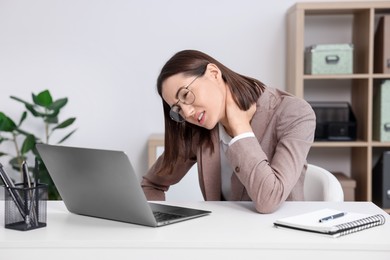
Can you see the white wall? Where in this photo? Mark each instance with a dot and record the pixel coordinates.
(105, 56)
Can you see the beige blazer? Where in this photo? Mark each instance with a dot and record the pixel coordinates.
(268, 169)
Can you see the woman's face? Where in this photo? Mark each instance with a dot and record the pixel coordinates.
(209, 90)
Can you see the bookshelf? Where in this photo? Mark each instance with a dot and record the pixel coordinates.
(309, 23)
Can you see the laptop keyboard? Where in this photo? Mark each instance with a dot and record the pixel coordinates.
(162, 216)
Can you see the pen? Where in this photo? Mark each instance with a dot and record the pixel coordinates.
(31, 212)
(14, 195)
(339, 215)
(26, 176)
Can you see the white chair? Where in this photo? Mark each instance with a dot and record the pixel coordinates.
(321, 185)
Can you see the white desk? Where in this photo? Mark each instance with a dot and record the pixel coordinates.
(232, 231)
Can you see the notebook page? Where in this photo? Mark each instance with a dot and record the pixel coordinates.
(310, 220)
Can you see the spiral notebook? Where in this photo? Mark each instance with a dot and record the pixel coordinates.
(331, 222)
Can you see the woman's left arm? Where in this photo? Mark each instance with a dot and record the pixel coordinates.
(269, 181)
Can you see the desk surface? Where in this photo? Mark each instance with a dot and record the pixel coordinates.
(233, 230)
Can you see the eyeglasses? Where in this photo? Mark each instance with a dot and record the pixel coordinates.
(185, 96)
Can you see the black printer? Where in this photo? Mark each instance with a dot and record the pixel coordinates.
(335, 121)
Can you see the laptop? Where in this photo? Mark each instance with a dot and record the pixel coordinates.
(102, 183)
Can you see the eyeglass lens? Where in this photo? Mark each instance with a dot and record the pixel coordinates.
(186, 96)
(175, 114)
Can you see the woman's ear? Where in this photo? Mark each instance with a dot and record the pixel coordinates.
(214, 71)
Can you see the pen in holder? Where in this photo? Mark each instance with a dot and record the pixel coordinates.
(25, 207)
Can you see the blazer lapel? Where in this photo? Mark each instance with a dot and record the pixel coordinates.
(264, 111)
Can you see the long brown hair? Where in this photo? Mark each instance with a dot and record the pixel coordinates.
(179, 136)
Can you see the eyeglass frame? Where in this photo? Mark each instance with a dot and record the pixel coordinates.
(172, 111)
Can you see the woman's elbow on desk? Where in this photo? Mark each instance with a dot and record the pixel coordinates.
(266, 208)
(268, 201)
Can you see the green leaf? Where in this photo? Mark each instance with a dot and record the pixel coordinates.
(66, 123)
(2, 154)
(21, 100)
(58, 104)
(22, 118)
(6, 123)
(31, 108)
(16, 162)
(35, 151)
(23, 132)
(67, 136)
(43, 99)
(28, 144)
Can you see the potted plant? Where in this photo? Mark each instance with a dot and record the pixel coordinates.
(46, 109)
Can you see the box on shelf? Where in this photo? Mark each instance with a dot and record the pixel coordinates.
(381, 181)
(381, 112)
(329, 59)
(347, 184)
(382, 46)
(335, 121)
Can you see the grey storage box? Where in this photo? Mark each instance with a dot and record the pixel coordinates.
(329, 59)
(381, 110)
(382, 46)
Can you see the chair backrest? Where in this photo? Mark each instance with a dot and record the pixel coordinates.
(321, 185)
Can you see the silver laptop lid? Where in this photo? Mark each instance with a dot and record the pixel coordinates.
(98, 183)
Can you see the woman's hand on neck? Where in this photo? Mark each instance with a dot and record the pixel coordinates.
(236, 121)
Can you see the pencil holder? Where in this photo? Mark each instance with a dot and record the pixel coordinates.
(25, 207)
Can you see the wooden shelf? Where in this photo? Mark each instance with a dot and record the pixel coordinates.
(340, 144)
(360, 18)
(380, 144)
(341, 76)
(381, 76)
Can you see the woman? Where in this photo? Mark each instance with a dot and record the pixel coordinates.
(250, 141)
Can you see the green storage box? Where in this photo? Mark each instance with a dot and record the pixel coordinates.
(329, 59)
(381, 116)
